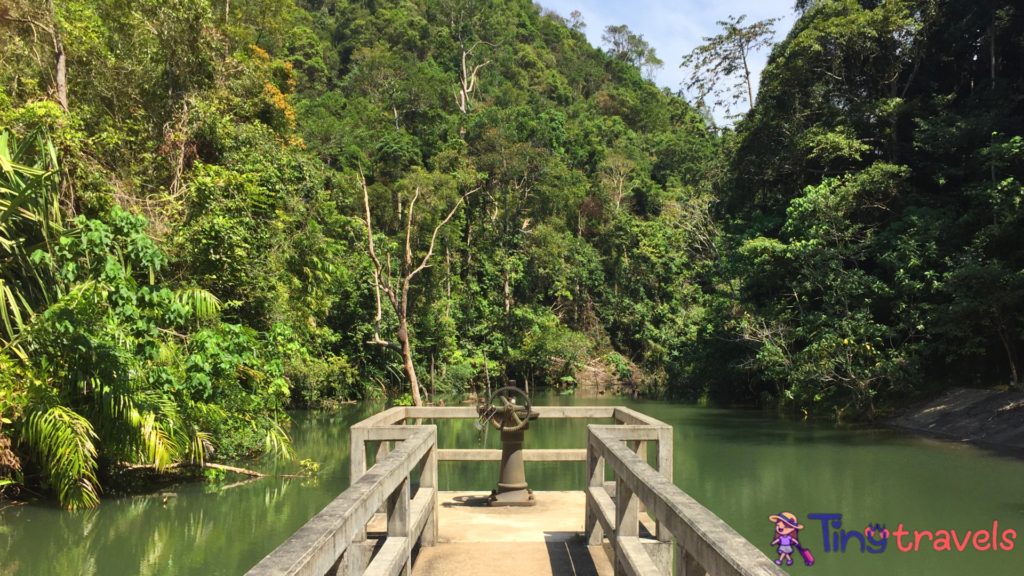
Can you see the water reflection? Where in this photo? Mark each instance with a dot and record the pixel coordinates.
(743, 465)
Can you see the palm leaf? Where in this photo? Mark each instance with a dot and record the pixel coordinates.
(201, 302)
(142, 426)
(278, 444)
(62, 442)
(160, 446)
(199, 445)
(30, 219)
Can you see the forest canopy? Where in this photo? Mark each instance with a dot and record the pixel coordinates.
(190, 190)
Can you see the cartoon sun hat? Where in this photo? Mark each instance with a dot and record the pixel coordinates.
(788, 519)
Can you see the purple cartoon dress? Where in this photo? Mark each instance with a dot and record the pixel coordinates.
(785, 544)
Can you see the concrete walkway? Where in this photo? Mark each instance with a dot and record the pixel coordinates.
(546, 539)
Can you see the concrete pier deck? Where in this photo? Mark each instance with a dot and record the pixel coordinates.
(427, 532)
(546, 539)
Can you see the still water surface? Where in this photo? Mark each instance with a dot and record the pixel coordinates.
(743, 465)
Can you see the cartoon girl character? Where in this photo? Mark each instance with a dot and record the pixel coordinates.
(786, 533)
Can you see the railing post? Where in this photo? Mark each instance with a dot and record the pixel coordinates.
(665, 468)
(686, 564)
(428, 480)
(357, 454)
(383, 449)
(640, 447)
(399, 519)
(595, 480)
(354, 560)
(627, 520)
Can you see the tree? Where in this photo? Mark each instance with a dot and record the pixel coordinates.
(633, 49)
(468, 75)
(392, 83)
(724, 58)
(576, 21)
(469, 23)
(46, 20)
(617, 176)
(75, 317)
(397, 290)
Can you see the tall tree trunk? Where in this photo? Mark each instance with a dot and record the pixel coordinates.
(62, 72)
(750, 88)
(507, 290)
(398, 295)
(59, 57)
(487, 375)
(407, 363)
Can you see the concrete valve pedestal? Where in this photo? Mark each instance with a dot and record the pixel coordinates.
(509, 410)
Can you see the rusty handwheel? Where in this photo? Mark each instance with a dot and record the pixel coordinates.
(514, 416)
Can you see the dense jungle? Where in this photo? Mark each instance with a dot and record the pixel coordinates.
(213, 211)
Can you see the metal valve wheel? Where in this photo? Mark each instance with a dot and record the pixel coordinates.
(513, 415)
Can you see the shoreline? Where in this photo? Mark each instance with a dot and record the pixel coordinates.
(991, 417)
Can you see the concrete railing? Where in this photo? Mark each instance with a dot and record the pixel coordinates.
(368, 436)
(333, 542)
(704, 543)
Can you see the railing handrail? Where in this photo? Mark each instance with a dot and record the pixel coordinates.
(320, 543)
(390, 425)
(399, 414)
(706, 543)
(334, 541)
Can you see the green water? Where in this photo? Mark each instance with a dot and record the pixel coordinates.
(743, 465)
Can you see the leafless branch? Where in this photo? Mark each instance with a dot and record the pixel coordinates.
(433, 237)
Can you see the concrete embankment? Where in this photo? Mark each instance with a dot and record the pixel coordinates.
(988, 416)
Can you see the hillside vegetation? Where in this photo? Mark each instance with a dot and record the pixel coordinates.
(190, 187)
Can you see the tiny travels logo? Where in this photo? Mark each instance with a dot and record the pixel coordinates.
(875, 538)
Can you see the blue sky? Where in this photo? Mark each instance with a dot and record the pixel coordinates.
(674, 28)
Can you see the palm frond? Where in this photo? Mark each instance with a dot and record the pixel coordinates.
(200, 444)
(161, 449)
(141, 426)
(10, 312)
(201, 302)
(278, 444)
(63, 443)
(30, 220)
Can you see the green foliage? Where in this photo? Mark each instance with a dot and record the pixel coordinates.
(309, 467)
(30, 221)
(633, 49)
(214, 475)
(103, 367)
(870, 204)
(184, 248)
(64, 442)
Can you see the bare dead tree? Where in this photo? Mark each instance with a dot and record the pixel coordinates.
(467, 76)
(617, 175)
(397, 290)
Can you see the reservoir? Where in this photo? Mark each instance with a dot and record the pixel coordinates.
(743, 465)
